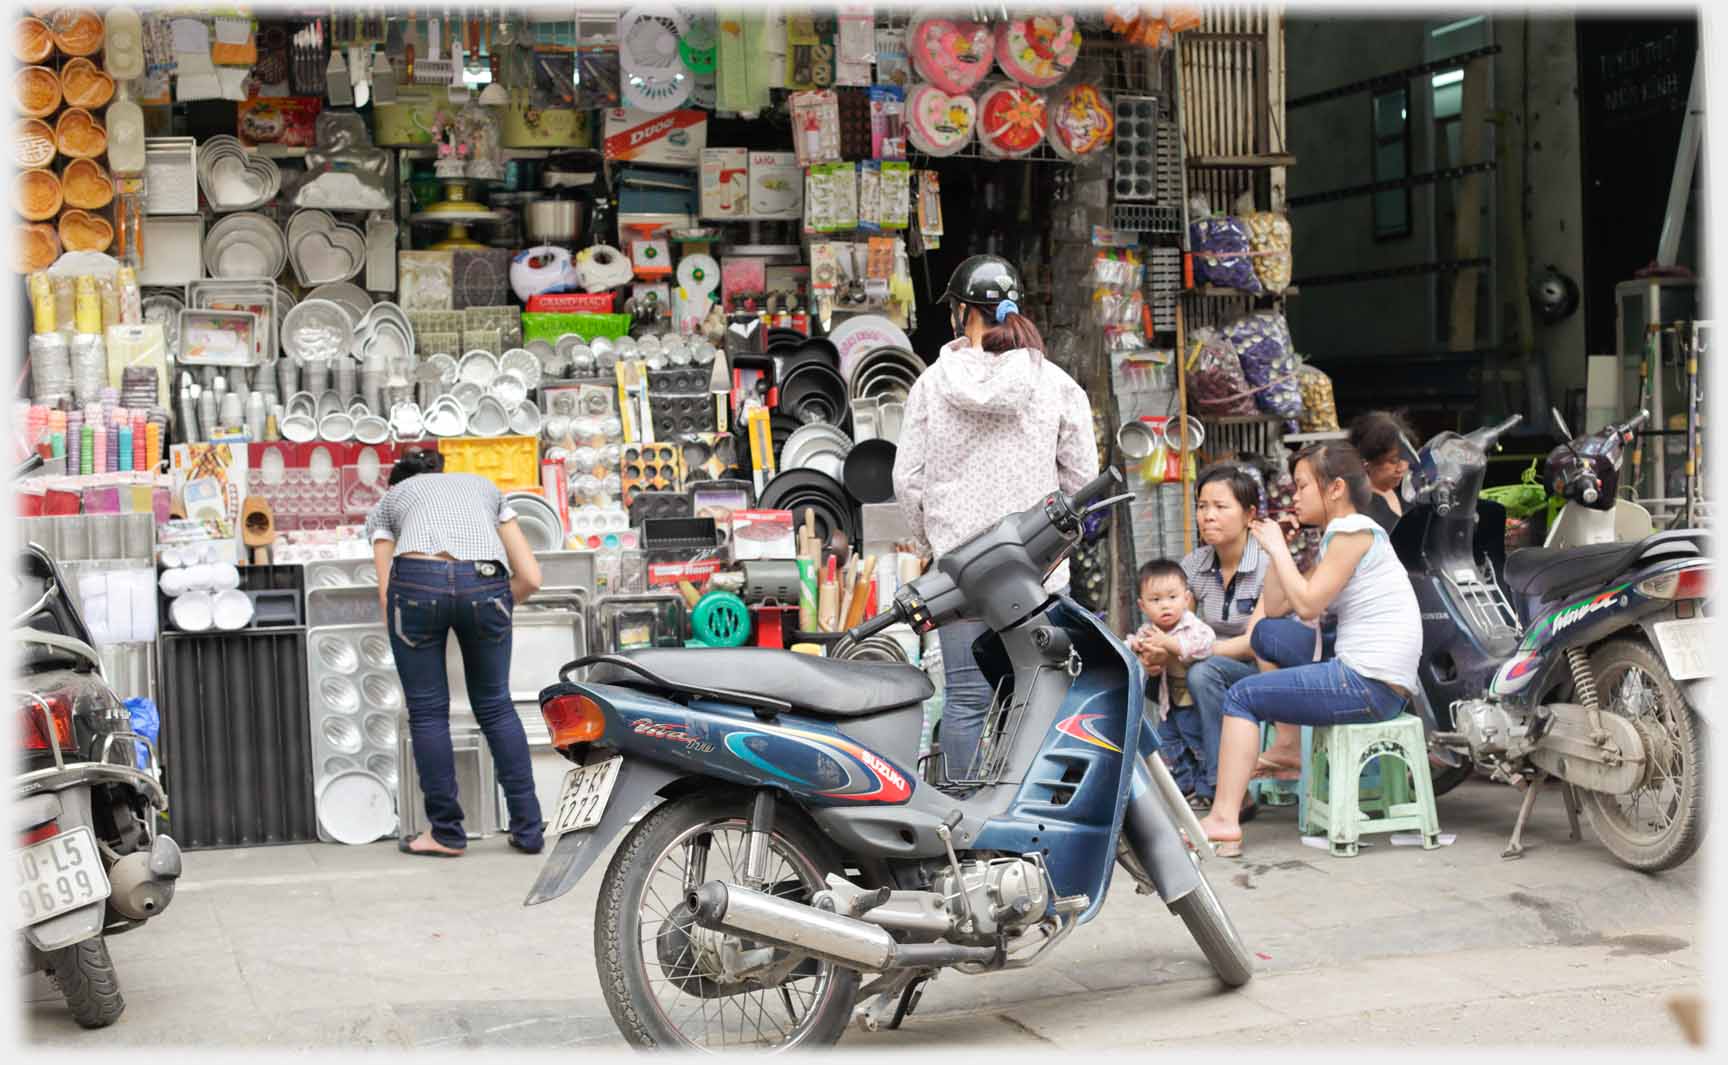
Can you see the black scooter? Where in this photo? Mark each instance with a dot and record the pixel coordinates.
(90, 861)
(1590, 672)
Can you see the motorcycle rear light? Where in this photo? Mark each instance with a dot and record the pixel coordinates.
(37, 725)
(1692, 583)
(47, 830)
(573, 719)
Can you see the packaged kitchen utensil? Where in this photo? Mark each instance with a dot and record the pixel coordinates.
(1223, 254)
(1262, 343)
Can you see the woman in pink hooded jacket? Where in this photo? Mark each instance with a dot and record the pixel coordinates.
(989, 429)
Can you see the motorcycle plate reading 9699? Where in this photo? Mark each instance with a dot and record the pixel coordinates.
(59, 874)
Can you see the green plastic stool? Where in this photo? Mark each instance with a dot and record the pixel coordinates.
(1338, 806)
(1275, 792)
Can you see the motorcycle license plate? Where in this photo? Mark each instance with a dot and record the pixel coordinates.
(582, 801)
(59, 874)
(1685, 646)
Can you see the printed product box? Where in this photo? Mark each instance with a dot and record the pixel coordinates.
(725, 183)
(776, 185)
(675, 138)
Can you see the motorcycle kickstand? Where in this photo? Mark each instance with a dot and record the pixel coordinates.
(1569, 793)
(1515, 846)
(908, 1001)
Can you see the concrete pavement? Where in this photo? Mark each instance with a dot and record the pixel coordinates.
(329, 946)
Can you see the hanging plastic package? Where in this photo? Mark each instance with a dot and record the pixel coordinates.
(1223, 254)
(146, 722)
(1262, 343)
(1216, 383)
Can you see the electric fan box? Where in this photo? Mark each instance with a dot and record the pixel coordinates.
(675, 138)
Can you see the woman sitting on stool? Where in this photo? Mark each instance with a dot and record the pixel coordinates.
(1378, 643)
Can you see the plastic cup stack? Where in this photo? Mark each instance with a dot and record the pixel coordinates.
(124, 458)
(86, 449)
(152, 445)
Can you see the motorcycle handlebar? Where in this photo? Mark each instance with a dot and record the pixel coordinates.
(1097, 488)
(1638, 421)
(865, 630)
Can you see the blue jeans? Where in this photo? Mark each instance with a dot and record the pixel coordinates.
(966, 697)
(428, 599)
(1305, 692)
(1182, 745)
(1208, 680)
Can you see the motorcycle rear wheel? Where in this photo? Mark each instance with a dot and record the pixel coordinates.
(1661, 825)
(656, 970)
(1211, 928)
(86, 977)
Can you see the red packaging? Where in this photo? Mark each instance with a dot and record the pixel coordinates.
(284, 120)
(663, 574)
(60, 502)
(552, 486)
(29, 503)
(572, 303)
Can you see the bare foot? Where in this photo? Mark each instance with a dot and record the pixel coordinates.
(425, 844)
(1225, 836)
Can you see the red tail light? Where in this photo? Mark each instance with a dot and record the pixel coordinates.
(1691, 583)
(46, 830)
(573, 719)
(37, 724)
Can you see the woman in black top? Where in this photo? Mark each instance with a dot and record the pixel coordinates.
(1376, 435)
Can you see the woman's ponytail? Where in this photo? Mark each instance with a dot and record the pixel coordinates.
(1012, 330)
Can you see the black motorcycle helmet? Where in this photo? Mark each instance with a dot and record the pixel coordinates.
(983, 281)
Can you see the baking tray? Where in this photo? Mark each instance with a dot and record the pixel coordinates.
(170, 177)
(172, 251)
(476, 785)
(354, 703)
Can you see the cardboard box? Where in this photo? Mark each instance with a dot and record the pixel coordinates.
(675, 138)
(725, 183)
(776, 185)
(762, 534)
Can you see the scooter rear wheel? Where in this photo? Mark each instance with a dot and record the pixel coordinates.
(86, 977)
(1661, 824)
(661, 975)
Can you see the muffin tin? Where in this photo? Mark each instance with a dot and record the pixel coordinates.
(1135, 176)
(676, 415)
(355, 703)
(652, 467)
(677, 381)
(659, 505)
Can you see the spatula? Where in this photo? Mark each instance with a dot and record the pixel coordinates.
(720, 385)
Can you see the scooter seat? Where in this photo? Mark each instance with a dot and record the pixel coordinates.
(1547, 573)
(824, 687)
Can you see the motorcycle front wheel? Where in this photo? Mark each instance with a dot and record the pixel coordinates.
(1211, 928)
(665, 979)
(1660, 824)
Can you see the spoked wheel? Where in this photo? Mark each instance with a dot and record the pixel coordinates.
(1211, 928)
(1661, 823)
(672, 984)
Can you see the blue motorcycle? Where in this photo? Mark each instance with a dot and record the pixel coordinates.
(794, 864)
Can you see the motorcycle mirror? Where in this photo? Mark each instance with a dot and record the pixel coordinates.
(1560, 425)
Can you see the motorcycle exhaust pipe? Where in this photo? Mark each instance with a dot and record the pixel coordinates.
(143, 881)
(721, 907)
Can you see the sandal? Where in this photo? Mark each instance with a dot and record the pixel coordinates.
(1200, 804)
(1269, 770)
(1226, 848)
(405, 845)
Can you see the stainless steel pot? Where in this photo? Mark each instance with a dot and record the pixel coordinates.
(555, 220)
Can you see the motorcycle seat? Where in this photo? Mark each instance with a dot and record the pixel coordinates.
(1547, 573)
(824, 687)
